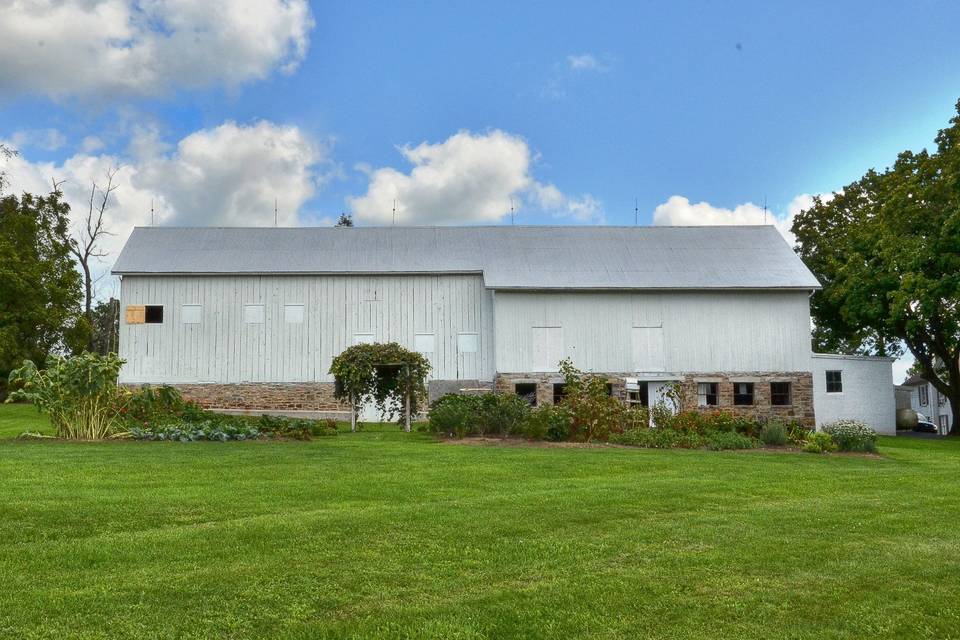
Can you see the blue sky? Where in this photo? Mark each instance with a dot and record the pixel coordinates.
(569, 112)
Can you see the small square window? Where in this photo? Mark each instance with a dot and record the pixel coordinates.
(424, 342)
(780, 393)
(742, 393)
(467, 343)
(707, 395)
(253, 314)
(293, 313)
(527, 391)
(559, 392)
(363, 338)
(191, 314)
(153, 314)
(834, 382)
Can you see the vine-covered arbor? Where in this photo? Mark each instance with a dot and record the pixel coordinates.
(384, 373)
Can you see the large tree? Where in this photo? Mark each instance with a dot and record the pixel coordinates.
(40, 287)
(887, 251)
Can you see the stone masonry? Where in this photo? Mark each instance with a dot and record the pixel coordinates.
(264, 396)
(801, 391)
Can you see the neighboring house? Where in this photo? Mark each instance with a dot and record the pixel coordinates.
(250, 318)
(925, 399)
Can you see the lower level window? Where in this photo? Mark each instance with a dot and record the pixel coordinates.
(742, 393)
(707, 394)
(527, 391)
(559, 392)
(779, 393)
(944, 423)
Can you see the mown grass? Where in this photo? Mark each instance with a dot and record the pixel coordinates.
(388, 535)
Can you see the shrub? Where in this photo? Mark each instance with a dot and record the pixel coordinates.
(659, 439)
(594, 413)
(501, 413)
(147, 404)
(326, 427)
(688, 421)
(774, 433)
(722, 440)
(80, 394)
(454, 414)
(819, 442)
(284, 427)
(548, 422)
(797, 433)
(852, 435)
(193, 431)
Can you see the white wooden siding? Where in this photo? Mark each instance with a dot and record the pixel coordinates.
(547, 348)
(701, 331)
(223, 348)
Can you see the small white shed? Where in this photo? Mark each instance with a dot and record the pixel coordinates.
(857, 387)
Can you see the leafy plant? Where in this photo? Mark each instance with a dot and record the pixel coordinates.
(454, 414)
(594, 413)
(501, 413)
(852, 435)
(659, 439)
(722, 440)
(547, 422)
(385, 374)
(819, 442)
(79, 394)
(774, 433)
(194, 431)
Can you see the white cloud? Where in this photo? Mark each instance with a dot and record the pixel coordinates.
(587, 62)
(679, 211)
(43, 139)
(146, 47)
(228, 175)
(467, 178)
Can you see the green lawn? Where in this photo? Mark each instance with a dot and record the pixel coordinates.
(387, 535)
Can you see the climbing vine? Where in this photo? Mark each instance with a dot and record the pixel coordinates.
(381, 372)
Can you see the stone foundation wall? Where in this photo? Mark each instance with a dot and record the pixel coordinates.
(801, 391)
(264, 396)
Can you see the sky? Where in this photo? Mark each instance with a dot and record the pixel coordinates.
(236, 113)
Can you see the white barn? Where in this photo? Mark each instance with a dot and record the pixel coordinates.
(250, 318)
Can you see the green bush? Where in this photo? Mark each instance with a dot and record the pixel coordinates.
(501, 414)
(722, 440)
(454, 415)
(547, 422)
(852, 435)
(80, 394)
(819, 442)
(797, 433)
(148, 404)
(659, 439)
(594, 413)
(774, 433)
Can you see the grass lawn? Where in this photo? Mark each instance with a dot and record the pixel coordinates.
(388, 535)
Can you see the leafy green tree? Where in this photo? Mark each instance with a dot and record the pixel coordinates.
(887, 251)
(346, 220)
(40, 287)
(105, 327)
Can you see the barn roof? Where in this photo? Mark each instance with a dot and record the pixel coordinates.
(509, 257)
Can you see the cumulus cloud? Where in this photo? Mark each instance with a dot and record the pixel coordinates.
(227, 175)
(679, 211)
(467, 178)
(146, 47)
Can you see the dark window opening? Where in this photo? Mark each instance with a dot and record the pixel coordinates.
(707, 395)
(779, 393)
(559, 392)
(639, 395)
(527, 391)
(153, 314)
(743, 393)
(924, 396)
(834, 382)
